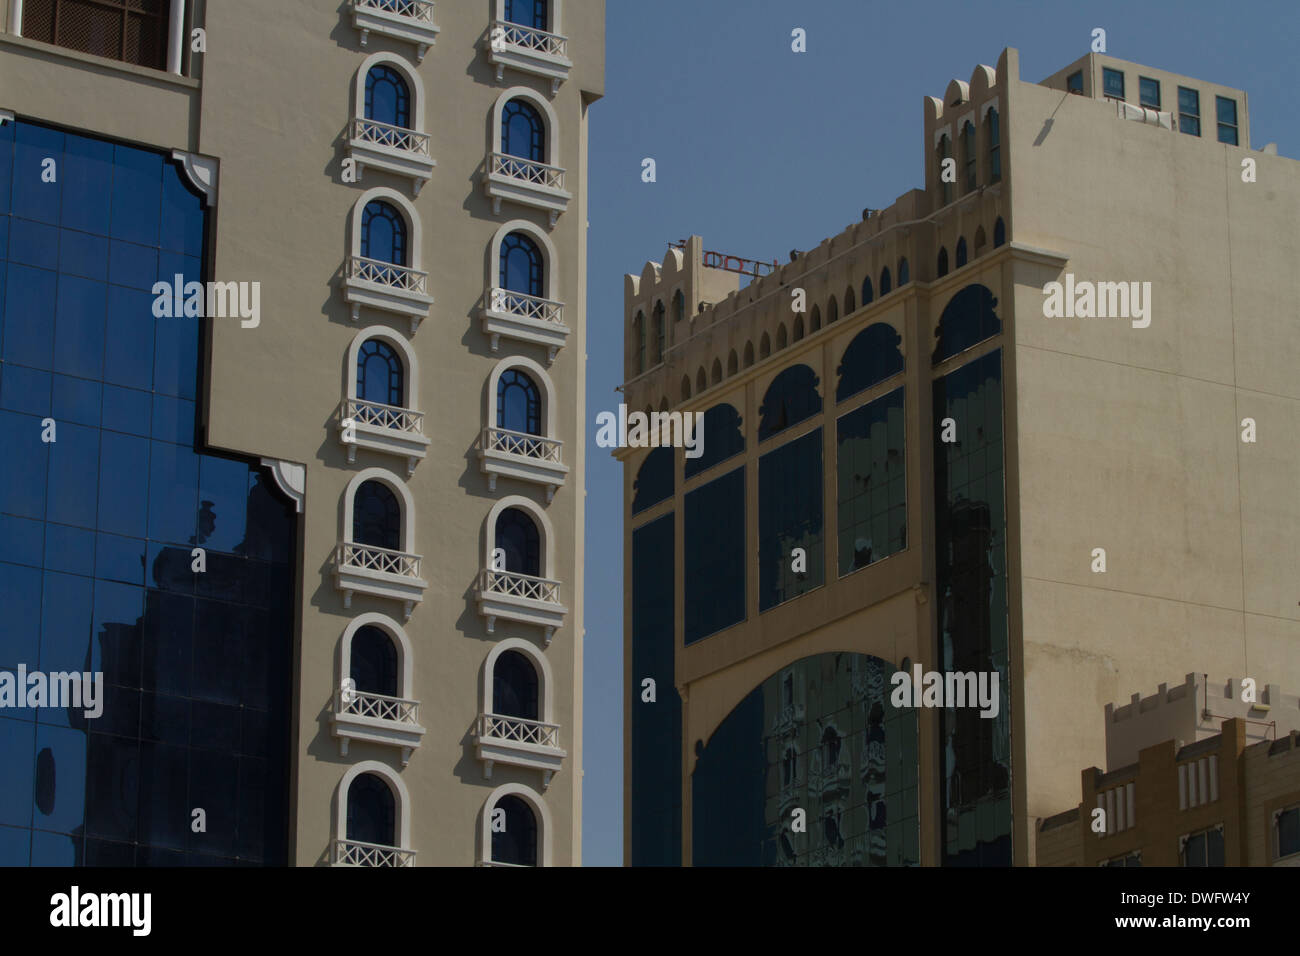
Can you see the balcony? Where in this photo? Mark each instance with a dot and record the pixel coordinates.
(376, 719)
(519, 597)
(528, 183)
(788, 720)
(529, 50)
(394, 149)
(356, 853)
(384, 428)
(523, 456)
(380, 572)
(526, 318)
(409, 20)
(520, 743)
(388, 287)
(836, 777)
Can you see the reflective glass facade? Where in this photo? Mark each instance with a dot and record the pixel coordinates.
(98, 527)
(789, 517)
(820, 736)
(714, 588)
(872, 482)
(971, 554)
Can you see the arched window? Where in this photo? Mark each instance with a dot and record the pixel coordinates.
(701, 381)
(961, 252)
(764, 347)
(515, 843)
(686, 387)
(941, 266)
(981, 240)
(798, 328)
(383, 233)
(372, 811)
(514, 686)
(942, 152)
(867, 294)
(373, 667)
(523, 133)
(995, 147)
(969, 318)
(522, 266)
(528, 13)
(885, 283)
(380, 374)
(717, 372)
(638, 328)
(968, 153)
(832, 311)
(659, 332)
(749, 354)
(654, 479)
(519, 403)
(733, 364)
(791, 398)
(679, 306)
(377, 517)
(722, 438)
(517, 536)
(850, 306)
(831, 744)
(904, 273)
(815, 319)
(999, 233)
(871, 357)
(388, 98)
(781, 340)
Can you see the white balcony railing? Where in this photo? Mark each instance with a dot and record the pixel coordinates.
(356, 853)
(390, 417)
(532, 39)
(517, 866)
(388, 274)
(418, 11)
(355, 703)
(513, 584)
(367, 557)
(526, 171)
(519, 730)
(511, 442)
(399, 138)
(519, 305)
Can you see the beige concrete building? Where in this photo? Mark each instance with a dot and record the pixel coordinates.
(1079, 499)
(407, 181)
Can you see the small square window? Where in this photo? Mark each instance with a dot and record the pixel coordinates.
(1149, 92)
(1226, 111)
(1204, 848)
(1112, 82)
(1189, 111)
(1074, 82)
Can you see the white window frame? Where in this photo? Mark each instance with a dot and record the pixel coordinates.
(414, 163)
(408, 444)
(498, 322)
(359, 292)
(347, 727)
(541, 813)
(494, 463)
(401, 798)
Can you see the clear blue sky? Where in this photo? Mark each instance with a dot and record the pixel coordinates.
(761, 150)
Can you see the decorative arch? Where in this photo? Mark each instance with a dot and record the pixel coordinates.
(549, 262)
(404, 207)
(749, 354)
(401, 799)
(781, 340)
(886, 285)
(764, 347)
(701, 381)
(798, 329)
(716, 374)
(872, 357)
(722, 437)
(999, 233)
(540, 519)
(544, 384)
(654, 479)
(961, 252)
(790, 398)
(659, 331)
(867, 292)
(904, 273)
(686, 387)
(941, 263)
(402, 344)
(981, 240)
(832, 311)
(733, 364)
(408, 73)
(968, 319)
(540, 812)
(394, 484)
(405, 654)
(850, 306)
(546, 690)
(543, 107)
(815, 319)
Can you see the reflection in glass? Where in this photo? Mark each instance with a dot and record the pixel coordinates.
(789, 517)
(872, 482)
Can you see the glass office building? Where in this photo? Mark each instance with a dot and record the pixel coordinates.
(124, 550)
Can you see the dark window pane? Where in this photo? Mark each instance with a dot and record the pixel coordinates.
(968, 319)
(516, 842)
(789, 517)
(723, 438)
(714, 527)
(514, 686)
(374, 662)
(371, 811)
(791, 398)
(1149, 92)
(654, 479)
(872, 482)
(1112, 82)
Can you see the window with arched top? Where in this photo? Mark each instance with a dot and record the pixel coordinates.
(981, 240)
(832, 311)
(798, 328)
(781, 340)
(383, 233)
(850, 306)
(968, 153)
(528, 13)
(999, 233)
(518, 538)
(941, 264)
(885, 284)
(961, 252)
(749, 354)
(679, 306)
(519, 402)
(374, 664)
(716, 375)
(722, 438)
(515, 686)
(514, 843)
(654, 479)
(904, 273)
(522, 267)
(943, 152)
(701, 381)
(872, 357)
(523, 132)
(791, 398)
(733, 364)
(638, 329)
(380, 374)
(867, 293)
(372, 811)
(815, 319)
(376, 516)
(660, 333)
(388, 97)
(686, 387)
(764, 347)
(995, 146)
